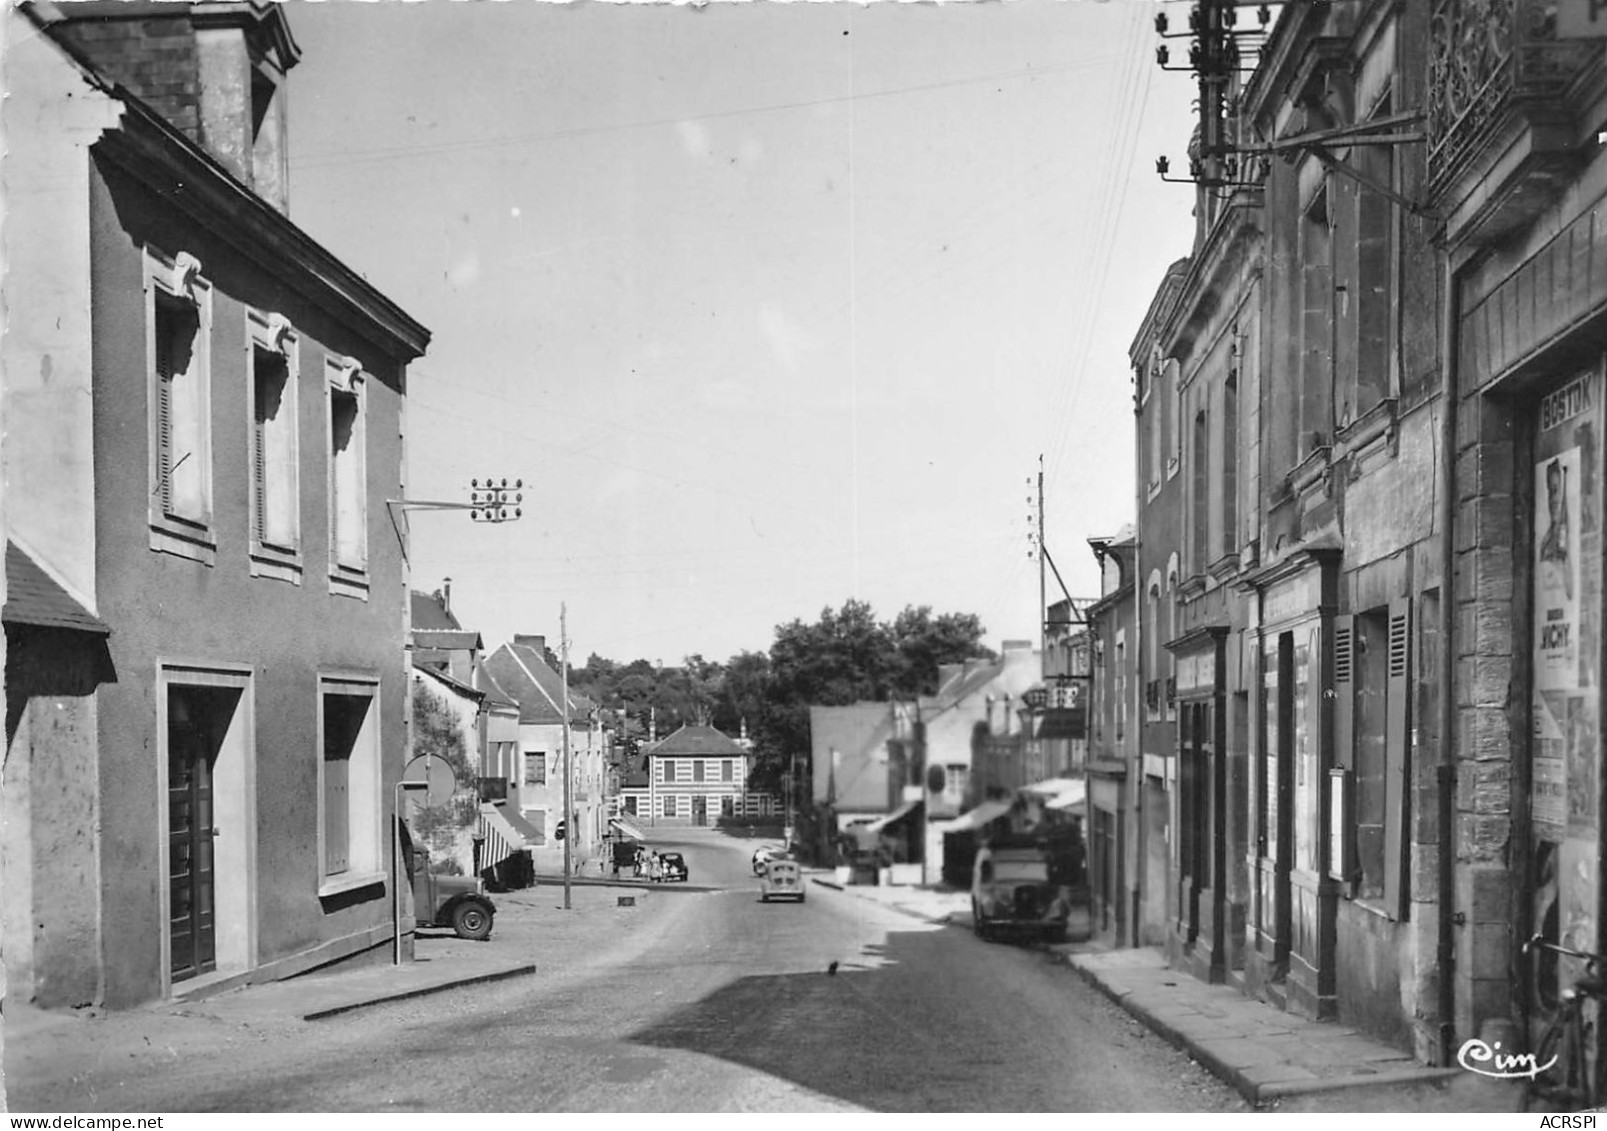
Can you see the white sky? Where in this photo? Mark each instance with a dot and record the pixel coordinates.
(770, 305)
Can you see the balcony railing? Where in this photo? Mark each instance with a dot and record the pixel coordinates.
(1488, 60)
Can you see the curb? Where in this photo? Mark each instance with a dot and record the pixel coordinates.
(419, 991)
(946, 919)
(1258, 1094)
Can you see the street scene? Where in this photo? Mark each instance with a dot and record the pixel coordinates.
(803, 557)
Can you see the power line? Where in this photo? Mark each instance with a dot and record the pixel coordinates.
(391, 153)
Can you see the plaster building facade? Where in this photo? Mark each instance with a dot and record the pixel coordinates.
(204, 422)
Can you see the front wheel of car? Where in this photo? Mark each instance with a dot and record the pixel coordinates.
(472, 920)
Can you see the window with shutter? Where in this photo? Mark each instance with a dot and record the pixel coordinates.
(1397, 755)
(178, 311)
(272, 348)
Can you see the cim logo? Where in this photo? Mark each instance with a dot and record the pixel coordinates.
(1489, 1060)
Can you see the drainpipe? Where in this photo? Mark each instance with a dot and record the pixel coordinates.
(1447, 761)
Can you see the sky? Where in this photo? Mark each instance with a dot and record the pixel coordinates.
(770, 305)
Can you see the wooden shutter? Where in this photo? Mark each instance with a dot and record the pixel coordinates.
(164, 407)
(259, 454)
(1345, 691)
(337, 814)
(1398, 720)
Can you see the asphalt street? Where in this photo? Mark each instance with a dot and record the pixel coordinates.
(695, 999)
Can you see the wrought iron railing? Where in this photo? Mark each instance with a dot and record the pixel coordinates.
(1485, 58)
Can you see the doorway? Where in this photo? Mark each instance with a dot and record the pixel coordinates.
(198, 720)
(700, 809)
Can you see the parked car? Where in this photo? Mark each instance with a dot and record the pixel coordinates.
(671, 867)
(458, 902)
(1012, 891)
(781, 879)
(762, 856)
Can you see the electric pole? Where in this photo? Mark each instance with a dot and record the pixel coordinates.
(1043, 591)
(568, 818)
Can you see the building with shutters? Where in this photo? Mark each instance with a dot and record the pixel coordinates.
(204, 424)
(519, 671)
(1370, 440)
(697, 776)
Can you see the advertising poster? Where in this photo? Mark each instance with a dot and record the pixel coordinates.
(1556, 576)
(1565, 771)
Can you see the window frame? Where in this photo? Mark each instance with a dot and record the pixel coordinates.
(537, 757)
(348, 574)
(179, 280)
(273, 334)
(365, 797)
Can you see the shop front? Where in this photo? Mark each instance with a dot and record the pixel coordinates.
(1292, 913)
(1198, 938)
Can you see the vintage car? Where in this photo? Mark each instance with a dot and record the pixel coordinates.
(781, 879)
(458, 902)
(671, 867)
(1013, 892)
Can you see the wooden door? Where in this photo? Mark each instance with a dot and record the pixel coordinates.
(191, 753)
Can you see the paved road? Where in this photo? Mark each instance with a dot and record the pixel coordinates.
(693, 1001)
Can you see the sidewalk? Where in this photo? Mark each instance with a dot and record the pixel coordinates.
(1272, 1058)
(42, 1045)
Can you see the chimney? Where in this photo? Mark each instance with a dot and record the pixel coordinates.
(214, 70)
(446, 595)
(537, 644)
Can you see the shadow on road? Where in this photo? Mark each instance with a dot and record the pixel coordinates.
(879, 1033)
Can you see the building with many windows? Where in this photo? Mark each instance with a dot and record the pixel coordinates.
(206, 690)
(696, 776)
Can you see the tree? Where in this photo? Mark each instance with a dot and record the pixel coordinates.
(437, 732)
(926, 642)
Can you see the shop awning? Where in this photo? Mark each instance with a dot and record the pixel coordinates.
(976, 818)
(1069, 798)
(898, 814)
(1052, 787)
(505, 832)
(626, 829)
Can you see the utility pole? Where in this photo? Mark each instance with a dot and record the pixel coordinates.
(1043, 591)
(569, 832)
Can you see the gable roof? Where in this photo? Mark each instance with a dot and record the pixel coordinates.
(494, 695)
(456, 686)
(695, 741)
(447, 639)
(428, 613)
(34, 597)
(521, 673)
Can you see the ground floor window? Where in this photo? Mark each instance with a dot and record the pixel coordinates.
(728, 806)
(630, 806)
(349, 781)
(669, 806)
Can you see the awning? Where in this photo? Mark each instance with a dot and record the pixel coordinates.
(1069, 798)
(1053, 786)
(976, 818)
(898, 814)
(626, 829)
(505, 832)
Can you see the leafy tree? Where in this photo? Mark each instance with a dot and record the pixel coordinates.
(437, 731)
(925, 642)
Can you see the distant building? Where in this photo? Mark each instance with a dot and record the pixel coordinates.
(520, 672)
(695, 777)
